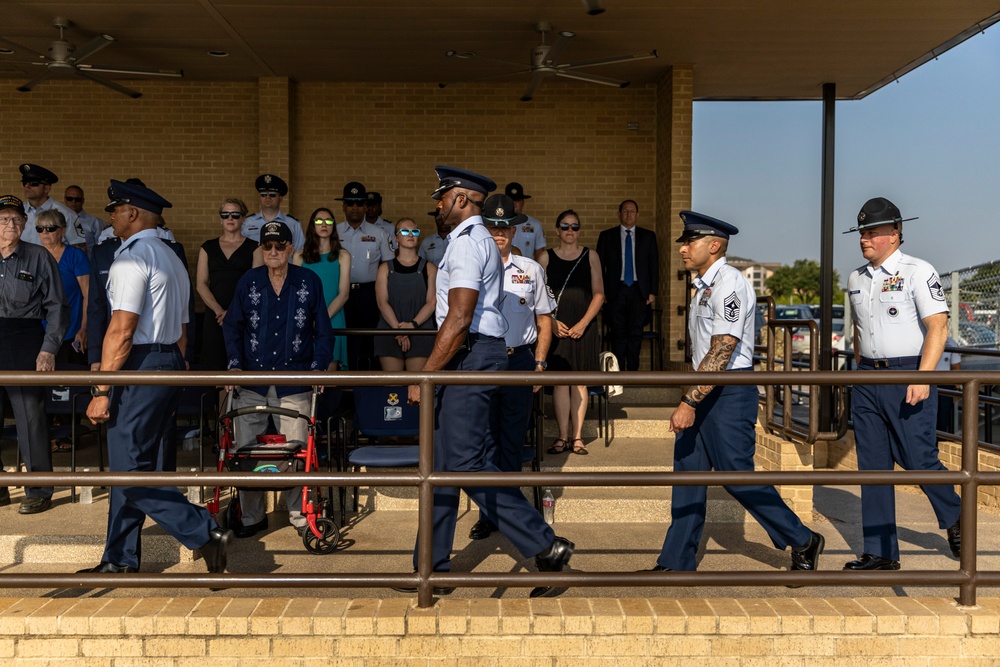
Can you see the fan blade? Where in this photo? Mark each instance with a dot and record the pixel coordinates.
(109, 83)
(536, 80)
(561, 43)
(455, 54)
(47, 74)
(139, 71)
(18, 47)
(609, 61)
(592, 78)
(92, 47)
(487, 78)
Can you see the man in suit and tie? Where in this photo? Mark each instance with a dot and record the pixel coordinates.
(630, 264)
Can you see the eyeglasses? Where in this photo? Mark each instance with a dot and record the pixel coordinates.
(13, 222)
(33, 184)
(47, 228)
(324, 221)
(566, 226)
(270, 193)
(268, 246)
(75, 200)
(226, 215)
(408, 232)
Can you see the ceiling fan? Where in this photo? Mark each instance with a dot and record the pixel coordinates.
(545, 63)
(64, 58)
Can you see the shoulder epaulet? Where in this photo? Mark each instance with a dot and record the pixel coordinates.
(466, 231)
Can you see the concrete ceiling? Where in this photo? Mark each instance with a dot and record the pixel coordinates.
(766, 49)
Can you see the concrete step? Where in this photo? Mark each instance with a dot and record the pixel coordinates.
(627, 420)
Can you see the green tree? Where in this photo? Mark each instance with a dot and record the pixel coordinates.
(801, 280)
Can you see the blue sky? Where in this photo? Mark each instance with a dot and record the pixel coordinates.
(930, 143)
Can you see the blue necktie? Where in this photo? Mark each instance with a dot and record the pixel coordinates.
(629, 262)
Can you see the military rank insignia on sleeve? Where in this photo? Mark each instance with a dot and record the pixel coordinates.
(732, 307)
(934, 285)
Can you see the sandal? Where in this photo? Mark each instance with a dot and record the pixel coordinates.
(582, 449)
(558, 446)
(62, 446)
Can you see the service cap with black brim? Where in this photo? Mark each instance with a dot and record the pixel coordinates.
(697, 225)
(139, 196)
(498, 211)
(454, 177)
(876, 212)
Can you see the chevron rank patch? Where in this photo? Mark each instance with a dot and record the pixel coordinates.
(934, 285)
(732, 307)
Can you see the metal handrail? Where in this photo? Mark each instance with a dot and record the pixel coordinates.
(967, 577)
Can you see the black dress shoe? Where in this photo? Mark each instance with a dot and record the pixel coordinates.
(108, 568)
(807, 557)
(214, 551)
(870, 562)
(955, 538)
(438, 590)
(552, 560)
(483, 529)
(250, 531)
(656, 568)
(34, 505)
(4, 496)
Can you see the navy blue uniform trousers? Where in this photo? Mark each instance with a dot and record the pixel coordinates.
(510, 414)
(140, 417)
(888, 431)
(723, 438)
(463, 443)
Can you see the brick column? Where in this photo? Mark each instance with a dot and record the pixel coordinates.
(674, 101)
(275, 130)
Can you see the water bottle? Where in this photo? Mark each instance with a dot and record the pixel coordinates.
(194, 492)
(86, 493)
(548, 507)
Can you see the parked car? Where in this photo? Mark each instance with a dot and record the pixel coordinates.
(838, 311)
(800, 341)
(798, 311)
(976, 334)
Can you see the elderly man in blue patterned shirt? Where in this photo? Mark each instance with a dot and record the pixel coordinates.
(277, 321)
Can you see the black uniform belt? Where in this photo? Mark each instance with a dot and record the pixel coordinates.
(748, 368)
(511, 351)
(156, 347)
(892, 362)
(474, 337)
(360, 285)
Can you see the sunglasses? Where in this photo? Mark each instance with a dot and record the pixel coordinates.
(47, 228)
(268, 246)
(33, 184)
(355, 203)
(324, 221)
(75, 200)
(226, 215)
(566, 226)
(270, 193)
(408, 232)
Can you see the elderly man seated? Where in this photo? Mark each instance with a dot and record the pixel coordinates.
(277, 321)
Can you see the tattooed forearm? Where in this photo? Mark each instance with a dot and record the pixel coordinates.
(719, 353)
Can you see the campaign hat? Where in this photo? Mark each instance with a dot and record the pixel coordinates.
(355, 192)
(121, 192)
(876, 212)
(698, 224)
(373, 197)
(33, 172)
(454, 177)
(498, 211)
(267, 182)
(515, 191)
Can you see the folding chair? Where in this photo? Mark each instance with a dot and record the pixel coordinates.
(379, 412)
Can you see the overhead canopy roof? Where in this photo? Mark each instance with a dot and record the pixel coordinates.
(767, 49)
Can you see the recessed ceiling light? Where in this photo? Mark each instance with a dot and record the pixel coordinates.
(219, 54)
(6, 52)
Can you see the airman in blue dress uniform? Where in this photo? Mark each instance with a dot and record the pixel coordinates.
(715, 426)
(148, 291)
(527, 306)
(471, 338)
(900, 322)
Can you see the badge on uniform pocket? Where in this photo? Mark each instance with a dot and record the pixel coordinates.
(25, 276)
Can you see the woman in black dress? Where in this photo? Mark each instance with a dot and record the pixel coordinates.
(574, 276)
(221, 263)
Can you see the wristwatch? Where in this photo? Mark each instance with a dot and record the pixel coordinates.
(543, 364)
(94, 391)
(414, 323)
(685, 399)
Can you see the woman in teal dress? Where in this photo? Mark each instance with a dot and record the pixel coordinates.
(322, 253)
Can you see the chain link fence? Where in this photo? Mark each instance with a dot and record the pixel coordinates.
(974, 298)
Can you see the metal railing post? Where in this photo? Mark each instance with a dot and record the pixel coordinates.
(970, 491)
(425, 495)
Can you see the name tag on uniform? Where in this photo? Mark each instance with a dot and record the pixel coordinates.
(25, 276)
(368, 239)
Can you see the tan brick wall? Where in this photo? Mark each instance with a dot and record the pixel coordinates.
(570, 631)
(777, 453)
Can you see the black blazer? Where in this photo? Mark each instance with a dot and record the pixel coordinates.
(647, 260)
